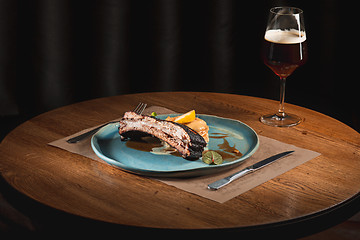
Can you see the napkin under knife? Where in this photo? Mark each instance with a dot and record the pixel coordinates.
(222, 182)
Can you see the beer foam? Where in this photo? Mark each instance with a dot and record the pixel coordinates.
(285, 36)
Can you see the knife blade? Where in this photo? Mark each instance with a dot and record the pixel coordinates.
(222, 182)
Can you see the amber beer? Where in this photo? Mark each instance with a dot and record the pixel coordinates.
(284, 50)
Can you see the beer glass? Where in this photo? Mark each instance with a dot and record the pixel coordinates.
(284, 50)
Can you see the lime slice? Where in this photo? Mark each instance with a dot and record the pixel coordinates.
(212, 157)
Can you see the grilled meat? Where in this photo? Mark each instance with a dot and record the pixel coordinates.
(185, 140)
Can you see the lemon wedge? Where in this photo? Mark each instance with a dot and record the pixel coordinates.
(186, 117)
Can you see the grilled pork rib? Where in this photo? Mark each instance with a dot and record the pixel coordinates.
(185, 140)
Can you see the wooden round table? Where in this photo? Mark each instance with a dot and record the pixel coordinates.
(94, 190)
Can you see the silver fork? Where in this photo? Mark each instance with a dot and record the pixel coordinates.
(139, 110)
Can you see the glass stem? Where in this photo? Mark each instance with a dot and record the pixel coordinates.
(281, 112)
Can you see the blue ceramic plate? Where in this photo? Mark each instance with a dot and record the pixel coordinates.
(226, 135)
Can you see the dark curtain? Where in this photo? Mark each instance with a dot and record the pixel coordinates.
(57, 52)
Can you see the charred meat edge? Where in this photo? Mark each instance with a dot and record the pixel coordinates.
(185, 140)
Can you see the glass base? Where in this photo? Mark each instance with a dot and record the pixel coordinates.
(275, 120)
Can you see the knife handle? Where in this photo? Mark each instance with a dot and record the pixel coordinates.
(222, 182)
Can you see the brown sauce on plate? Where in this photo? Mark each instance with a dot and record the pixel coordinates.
(228, 153)
(155, 146)
(145, 144)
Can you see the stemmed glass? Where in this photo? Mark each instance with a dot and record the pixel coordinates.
(284, 50)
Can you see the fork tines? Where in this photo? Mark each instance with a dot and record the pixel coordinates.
(140, 108)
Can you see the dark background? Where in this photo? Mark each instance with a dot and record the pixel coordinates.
(57, 52)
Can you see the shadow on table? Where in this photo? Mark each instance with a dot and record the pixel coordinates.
(20, 214)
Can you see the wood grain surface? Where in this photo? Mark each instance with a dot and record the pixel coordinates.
(95, 190)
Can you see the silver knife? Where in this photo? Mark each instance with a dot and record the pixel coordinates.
(222, 182)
